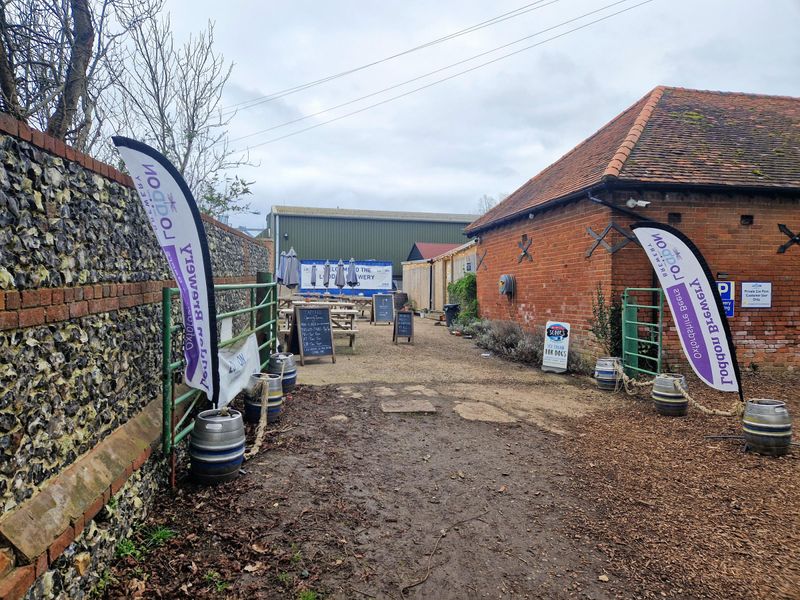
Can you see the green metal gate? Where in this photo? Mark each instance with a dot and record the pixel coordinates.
(642, 327)
(177, 409)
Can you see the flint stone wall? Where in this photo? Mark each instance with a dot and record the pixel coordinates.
(74, 366)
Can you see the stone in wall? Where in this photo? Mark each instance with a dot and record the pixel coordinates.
(61, 224)
(65, 386)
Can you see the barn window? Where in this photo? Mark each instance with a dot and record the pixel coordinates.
(674, 218)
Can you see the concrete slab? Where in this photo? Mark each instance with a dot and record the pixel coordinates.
(408, 405)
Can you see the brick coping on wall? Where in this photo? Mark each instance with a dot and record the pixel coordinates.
(42, 527)
(41, 306)
(23, 131)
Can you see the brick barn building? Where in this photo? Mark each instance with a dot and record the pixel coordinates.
(724, 168)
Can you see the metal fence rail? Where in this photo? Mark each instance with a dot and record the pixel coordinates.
(263, 313)
(642, 332)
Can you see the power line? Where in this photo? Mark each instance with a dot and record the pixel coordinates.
(438, 81)
(450, 66)
(245, 104)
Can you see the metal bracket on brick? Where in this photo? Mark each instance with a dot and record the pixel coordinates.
(599, 239)
(480, 262)
(524, 244)
(793, 238)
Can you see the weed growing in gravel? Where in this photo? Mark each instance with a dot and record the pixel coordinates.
(126, 547)
(215, 579)
(308, 595)
(285, 578)
(106, 580)
(297, 555)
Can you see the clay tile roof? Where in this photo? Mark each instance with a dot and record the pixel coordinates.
(428, 250)
(675, 136)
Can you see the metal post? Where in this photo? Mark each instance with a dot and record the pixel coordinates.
(166, 372)
(265, 315)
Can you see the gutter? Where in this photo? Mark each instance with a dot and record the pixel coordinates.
(611, 184)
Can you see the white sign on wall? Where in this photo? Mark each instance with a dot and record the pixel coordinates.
(374, 276)
(556, 347)
(756, 294)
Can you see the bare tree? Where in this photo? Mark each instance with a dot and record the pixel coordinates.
(487, 202)
(53, 59)
(171, 98)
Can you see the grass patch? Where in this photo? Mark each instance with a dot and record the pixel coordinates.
(158, 536)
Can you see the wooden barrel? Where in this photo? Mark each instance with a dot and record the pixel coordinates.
(605, 373)
(283, 362)
(216, 445)
(252, 405)
(667, 397)
(400, 300)
(767, 427)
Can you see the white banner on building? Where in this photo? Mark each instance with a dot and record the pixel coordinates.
(175, 219)
(694, 302)
(374, 277)
(556, 347)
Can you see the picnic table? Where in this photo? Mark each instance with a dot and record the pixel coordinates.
(343, 319)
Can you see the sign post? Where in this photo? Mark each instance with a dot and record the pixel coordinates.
(556, 347)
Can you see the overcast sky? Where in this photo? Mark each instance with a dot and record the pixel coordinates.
(486, 132)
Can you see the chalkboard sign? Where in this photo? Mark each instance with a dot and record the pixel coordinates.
(382, 308)
(312, 332)
(403, 325)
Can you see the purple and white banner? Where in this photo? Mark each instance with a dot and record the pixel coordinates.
(694, 302)
(175, 219)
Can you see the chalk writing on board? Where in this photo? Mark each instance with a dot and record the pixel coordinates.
(403, 325)
(312, 334)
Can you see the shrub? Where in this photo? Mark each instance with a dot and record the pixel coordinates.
(606, 323)
(508, 339)
(465, 292)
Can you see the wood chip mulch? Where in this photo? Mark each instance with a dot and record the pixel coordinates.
(684, 516)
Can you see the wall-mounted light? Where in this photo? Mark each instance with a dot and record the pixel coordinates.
(634, 203)
(530, 216)
(286, 236)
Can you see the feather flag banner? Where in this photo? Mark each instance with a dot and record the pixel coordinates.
(694, 303)
(176, 221)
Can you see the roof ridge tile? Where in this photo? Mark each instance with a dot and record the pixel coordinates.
(629, 143)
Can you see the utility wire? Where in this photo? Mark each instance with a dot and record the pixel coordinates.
(438, 81)
(428, 74)
(245, 104)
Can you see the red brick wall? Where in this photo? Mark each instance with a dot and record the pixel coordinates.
(559, 283)
(765, 337)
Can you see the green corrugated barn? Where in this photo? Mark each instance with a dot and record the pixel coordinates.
(333, 233)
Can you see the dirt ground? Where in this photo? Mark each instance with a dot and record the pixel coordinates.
(520, 485)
